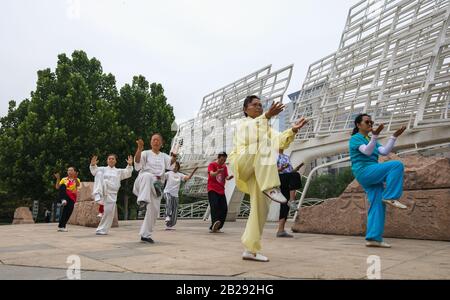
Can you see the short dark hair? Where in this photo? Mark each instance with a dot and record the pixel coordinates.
(249, 100)
(222, 154)
(112, 154)
(358, 120)
(74, 168)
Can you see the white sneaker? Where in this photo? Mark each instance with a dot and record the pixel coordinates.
(247, 255)
(100, 233)
(170, 228)
(395, 203)
(377, 244)
(167, 219)
(275, 195)
(100, 215)
(63, 230)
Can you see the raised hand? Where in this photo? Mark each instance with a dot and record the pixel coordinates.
(400, 131)
(299, 124)
(140, 144)
(94, 160)
(130, 160)
(275, 109)
(57, 175)
(378, 130)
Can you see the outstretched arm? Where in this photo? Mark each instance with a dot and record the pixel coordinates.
(128, 171)
(186, 178)
(370, 147)
(93, 166)
(385, 150)
(58, 180)
(138, 154)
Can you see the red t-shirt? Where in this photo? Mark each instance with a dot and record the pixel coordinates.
(217, 184)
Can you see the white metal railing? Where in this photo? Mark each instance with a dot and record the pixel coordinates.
(194, 210)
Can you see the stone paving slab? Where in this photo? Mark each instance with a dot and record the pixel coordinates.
(191, 252)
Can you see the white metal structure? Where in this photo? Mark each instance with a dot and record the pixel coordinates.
(393, 62)
(200, 139)
(209, 133)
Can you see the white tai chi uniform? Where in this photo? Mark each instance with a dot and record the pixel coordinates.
(106, 186)
(151, 168)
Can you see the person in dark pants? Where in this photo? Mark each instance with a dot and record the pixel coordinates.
(290, 182)
(67, 187)
(217, 175)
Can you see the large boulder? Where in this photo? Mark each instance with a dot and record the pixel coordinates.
(426, 193)
(86, 210)
(23, 215)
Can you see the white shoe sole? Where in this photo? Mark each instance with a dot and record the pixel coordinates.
(378, 246)
(252, 258)
(274, 200)
(395, 204)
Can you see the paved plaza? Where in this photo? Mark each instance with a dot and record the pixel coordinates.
(40, 252)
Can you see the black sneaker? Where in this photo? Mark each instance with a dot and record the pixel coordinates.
(147, 240)
(215, 227)
(142, 205)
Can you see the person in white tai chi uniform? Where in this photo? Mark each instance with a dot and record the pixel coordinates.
(151, 165)
(106, 186)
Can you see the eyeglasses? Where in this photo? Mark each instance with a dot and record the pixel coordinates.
(257, 104)
(368, 122)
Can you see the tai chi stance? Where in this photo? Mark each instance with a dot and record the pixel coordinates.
(106, 186)
(173, 183)
(68, 187)
(152, 166)
(373, 176)
(254, 163)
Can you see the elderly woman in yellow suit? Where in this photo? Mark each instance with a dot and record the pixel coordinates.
(253, 162)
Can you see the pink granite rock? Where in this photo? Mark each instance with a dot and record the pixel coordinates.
(86, 210)
(426, 193)
(23, 215)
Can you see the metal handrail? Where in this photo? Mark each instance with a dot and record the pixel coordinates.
(308, 181)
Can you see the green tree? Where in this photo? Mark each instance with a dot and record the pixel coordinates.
(75, 112)
(330, 185)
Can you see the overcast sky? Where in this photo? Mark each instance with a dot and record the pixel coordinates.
(191, 47)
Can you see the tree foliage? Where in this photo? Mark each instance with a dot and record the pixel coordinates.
(74, 112)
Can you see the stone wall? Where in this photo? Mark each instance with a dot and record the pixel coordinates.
(86, 210)
(23, 215)
(426, 193)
